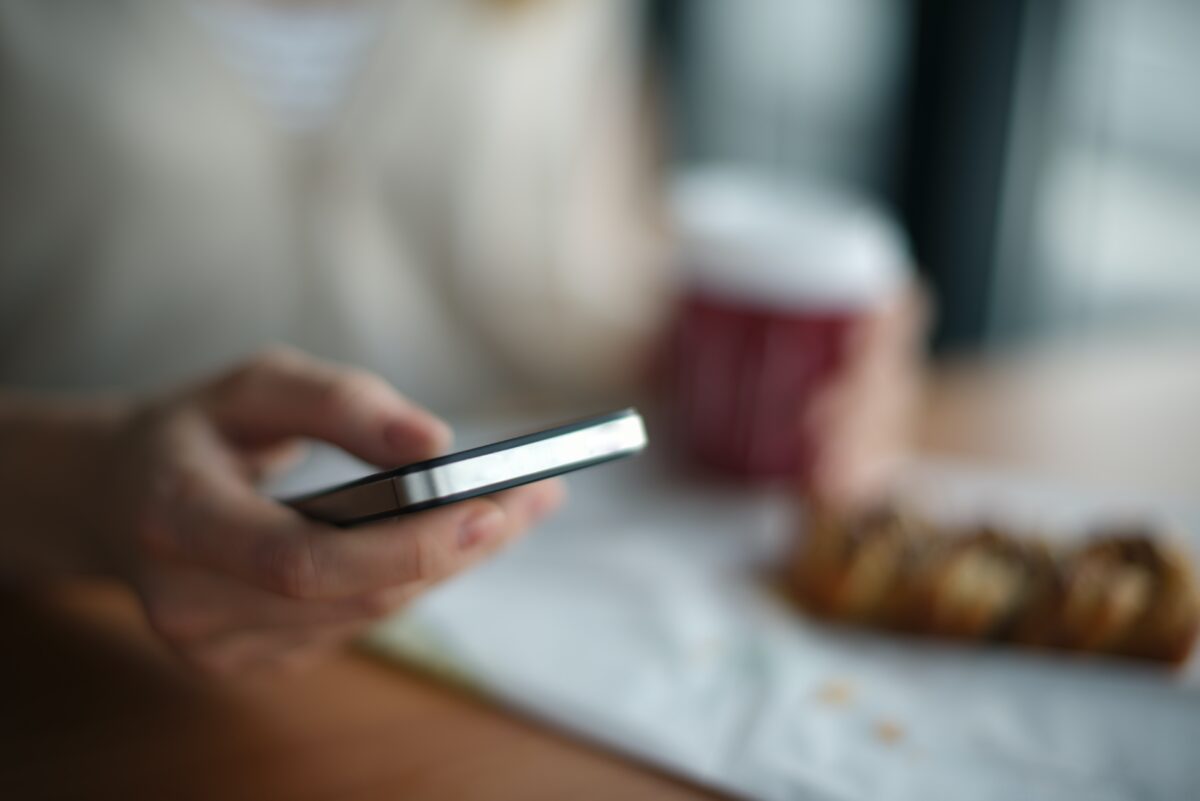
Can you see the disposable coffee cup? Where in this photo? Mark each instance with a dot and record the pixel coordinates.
(775, 279)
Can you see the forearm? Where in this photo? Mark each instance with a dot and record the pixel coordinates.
(54, 455)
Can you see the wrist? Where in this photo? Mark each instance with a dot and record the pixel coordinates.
(59, 456)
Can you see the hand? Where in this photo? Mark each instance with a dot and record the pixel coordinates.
(861, 422)
(234, 580)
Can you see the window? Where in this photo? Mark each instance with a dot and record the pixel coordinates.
(1111, 238)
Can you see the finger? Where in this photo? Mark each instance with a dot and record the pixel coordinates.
(187, 604)
(427, 547)
(884, 346)
(861, 448)
(283, 394)
(293, 639)
(528, 506)
(859, 429)
(533, 503)
(219, 523)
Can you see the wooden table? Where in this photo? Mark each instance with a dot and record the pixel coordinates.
(94, 709)
(1123, 415)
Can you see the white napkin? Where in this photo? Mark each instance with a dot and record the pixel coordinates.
(638, 619)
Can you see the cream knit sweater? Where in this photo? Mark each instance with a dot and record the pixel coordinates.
(471, 223)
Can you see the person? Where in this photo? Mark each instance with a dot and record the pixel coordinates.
(450, 195)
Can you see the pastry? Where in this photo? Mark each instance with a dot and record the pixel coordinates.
(1128, 592)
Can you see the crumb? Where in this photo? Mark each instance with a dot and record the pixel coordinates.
(888, 733)
(836, 693)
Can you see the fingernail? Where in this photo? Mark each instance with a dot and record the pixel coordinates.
(541, 504)
(440, 434)
(480, 526)
(536, 508)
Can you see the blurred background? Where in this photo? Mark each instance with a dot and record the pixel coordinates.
(298, 164)
(479, 200)
(1044, 156)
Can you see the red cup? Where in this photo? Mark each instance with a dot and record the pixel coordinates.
(775, 280)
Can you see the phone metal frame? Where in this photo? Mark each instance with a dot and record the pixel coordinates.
(478, 471)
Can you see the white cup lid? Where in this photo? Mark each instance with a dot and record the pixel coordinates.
(743, 235)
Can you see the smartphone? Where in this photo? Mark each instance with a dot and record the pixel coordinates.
(478, 471)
